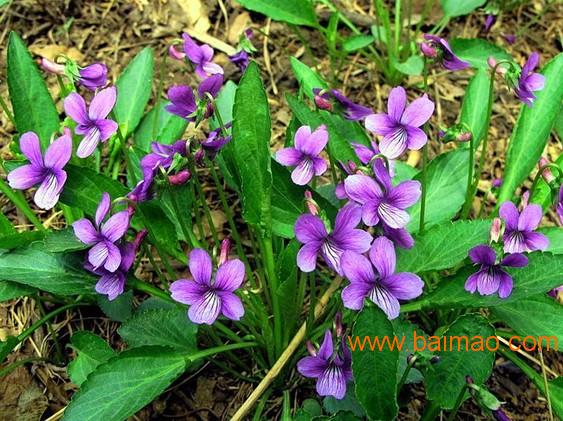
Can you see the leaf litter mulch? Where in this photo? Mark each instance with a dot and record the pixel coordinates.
(113, 32)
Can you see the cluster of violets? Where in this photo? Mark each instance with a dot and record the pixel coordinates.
(369, 226)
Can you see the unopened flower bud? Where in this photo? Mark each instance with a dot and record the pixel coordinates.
(495, 230)
(411, 359)
(131, 209)
(464, 137)
(139, 238)
(311, 349)
(199, 155)
(52, 67)
(310, 203)
(499, 415)
(469, 380)
(248, 33)
(525, 199)
(180, 178)
(339, 329)
(175, 54)
(546, 174)
(435, 359)
(323, 103)
(427, 50)
(497, 182)
(93, 76)
(510, 38)
(224, 253)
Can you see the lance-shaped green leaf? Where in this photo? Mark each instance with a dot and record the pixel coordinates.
(56, 273)
(543, 273)
(532, 129)
(442, 246)
(92, 351)
(166, 327)
(125, 384)
(446, 186)
(134, 88)
(375, 370)
(251, 146)
(473, 108)
(308, 79)
(158, 125)
(296, 12)
(463, 352)
(34, 109)
(476, 52)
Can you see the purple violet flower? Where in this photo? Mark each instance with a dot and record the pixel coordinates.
(201, 56)
(304, 156)
(559, 205)
(519, 235)
(491, 277)
(312, 233)
(162, 155)
(93, 76)
(380, 200)
(500, 415)
(47, 172)
(240, 59)
(322, 99)
(209, 296)
(510, 38)
(216, 141)
(385, 287)
(489, 22)
(185, 104)
(447, 57)
(112, 284)
(331, 369)
(92, 123)
(400, 126)
(529, 82)
(102, 236)
(352, 111)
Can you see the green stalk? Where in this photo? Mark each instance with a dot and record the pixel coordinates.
(398, 25)
(218, 349)
(19, 202)
(406, 373)
(538, 176)
(29, 331)
(203, 203)
(458, 403)
(431, 412)
(187, 231)
(424, 161)
(470, 169)
(269, 264)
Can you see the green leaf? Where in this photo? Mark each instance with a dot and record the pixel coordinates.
(118, 309)
(442, 246)
(473, 109)
(476, 51)
(6, 226)
(349, 404)
(251, 146)
(125, 384)
(412, 66)
(183, 196)
(518, 316)
(287, 202)
(555, 236)
(84, 188)
(532, 129)
(7, 346)
(158, 125)
(357, 42)
(308, 79)
(446, 186)
(134, 88)
(11, 290)
(34, 109)
(296, 12)
(445, 380)
(63, 240)
(288, 291)
(55, 273)
(375, 372)
(166, 327)
(453, 8)
(543, 273)
(19, 239)
(406, 329)
(92, 351)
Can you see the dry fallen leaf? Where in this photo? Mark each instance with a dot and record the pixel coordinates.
(52, 51)
(238, 26)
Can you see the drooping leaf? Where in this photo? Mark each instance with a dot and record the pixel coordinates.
(543, 273)
(251, 146)
(158, 125)
(453, 8)
(34, 109)
(519, 316)
(476, 51)
(92, 351)
(11, 290)
(134, 88)
(461, 356)
(166, 327)
(56, 273)
(124, 384)
(532, 129)
(442, 246)
(474, 109)
(375, 372)
(447, 183)
(296, 12)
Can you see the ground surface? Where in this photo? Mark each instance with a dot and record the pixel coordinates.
(113, 31)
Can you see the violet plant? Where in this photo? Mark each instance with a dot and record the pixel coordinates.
(334, 225)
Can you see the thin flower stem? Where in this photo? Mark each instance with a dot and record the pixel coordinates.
(9, 368)
(7, 111)
(219, 349)
(458, 403)
(187, 231)
(29, 331)
(406, 373)
(203, 203)
(470, 169)
(424, 161)
(149, 289)
(158, 95)
(58, 350)
(545, 383)
(19, 202)
(154, 265)
(273, 283)
(198, 222)
(538, 176)
(332, 168)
